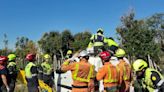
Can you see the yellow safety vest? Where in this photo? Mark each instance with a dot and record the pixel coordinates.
(96, 42)
(75, 77)
(46, 68)
(113, 74)
(110, 42)
(28, 73)
(147, 80)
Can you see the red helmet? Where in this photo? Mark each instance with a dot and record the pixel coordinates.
(30, 57)
(3, 59)
(105, 55)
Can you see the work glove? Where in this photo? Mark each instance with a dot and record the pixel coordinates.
(8, 89)
(156, 90)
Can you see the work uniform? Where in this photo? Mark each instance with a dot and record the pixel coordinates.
(47, 73)
(3, 71)
(97, 41)
(110, 75)
(82, 72)
(125, 75)
(12, 75)
(153, 80)
(113, 46)
(31, 77)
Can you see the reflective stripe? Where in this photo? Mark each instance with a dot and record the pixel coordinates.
(113, 74)
(126, 76)
(40, 71)
(98, 43)
(46, 74)
(33, 75)
(160, 82)
(11, 64)
(75, 77)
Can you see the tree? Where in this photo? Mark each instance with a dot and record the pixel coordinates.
(67, 40)
(51, 43)
(81, 40)
(136, 37)
(23, 47)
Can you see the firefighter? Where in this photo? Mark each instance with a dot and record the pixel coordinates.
(31, 74)
(69, 54)
(108, 73)
(12, 71)
(97, 41)
(112, 45)
(152, 80)
(82, 73)
(3, 73)
(47, 70)
(125, 71)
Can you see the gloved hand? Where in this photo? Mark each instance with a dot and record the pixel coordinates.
(8, 89)
(156, 90)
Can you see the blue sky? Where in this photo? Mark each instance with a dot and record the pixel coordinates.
(32, 18)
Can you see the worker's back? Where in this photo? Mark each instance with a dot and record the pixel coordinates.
(110, 75)
(125, 75)
(82, 72)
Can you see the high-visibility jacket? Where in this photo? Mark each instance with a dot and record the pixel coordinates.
(82, 72)
(12, 69)
(125, 75)
(97, 40)
(109, 74)
(28, 67)
(153, 80)
(111, 42)
(125, 70)
(47, 69)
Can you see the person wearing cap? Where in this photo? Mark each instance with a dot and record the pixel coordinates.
(3, 74)
(112, 45)
(82, 73)
(31, 73)
(12, 71)
(125, 70)
(68, 54)
(108, 73)
(151, 79)
(97, 41)
(47, 70)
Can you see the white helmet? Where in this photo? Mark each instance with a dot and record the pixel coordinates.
(83, 53)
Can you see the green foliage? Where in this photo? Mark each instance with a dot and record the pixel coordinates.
(58, 43)
(23, 47)
(138, 37)
(81, 40)
(50, 42)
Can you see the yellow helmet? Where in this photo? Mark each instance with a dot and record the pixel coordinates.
(46, 56)
(120, 53)
(139, 64)
(69, 52)
(11, 57)
(100, 30)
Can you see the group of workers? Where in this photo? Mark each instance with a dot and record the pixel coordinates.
(117, 73)
(9, 72)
